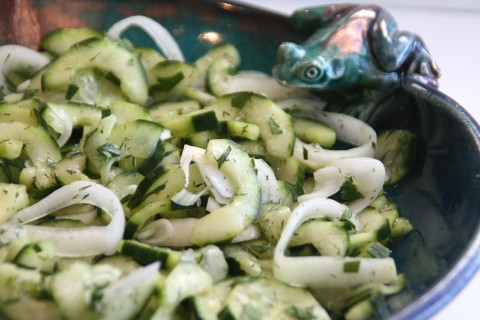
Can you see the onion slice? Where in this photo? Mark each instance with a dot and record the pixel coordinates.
(326, 271)
(16, 57)
(368, 173)
(348, 129)
(162, 38)
(71, 242)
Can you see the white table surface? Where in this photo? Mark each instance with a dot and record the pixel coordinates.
(450, 29)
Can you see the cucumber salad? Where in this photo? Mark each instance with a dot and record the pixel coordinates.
(138, 185)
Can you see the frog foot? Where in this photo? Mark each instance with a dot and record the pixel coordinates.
(422, 66)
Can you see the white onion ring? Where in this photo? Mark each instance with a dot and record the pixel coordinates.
(162, 38)
(71, 242)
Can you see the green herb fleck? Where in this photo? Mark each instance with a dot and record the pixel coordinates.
(223, 157)
(301, 313)
(108, 151)
(27, 94)
(251, 312)
(165, 84)
(71, 90)
(113, 78)
(348, 191)
(240, 99)
(274, 126)
(351, 266)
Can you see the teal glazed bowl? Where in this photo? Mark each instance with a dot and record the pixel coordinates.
(441, 197)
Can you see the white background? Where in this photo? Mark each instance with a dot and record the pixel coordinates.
(450, 30)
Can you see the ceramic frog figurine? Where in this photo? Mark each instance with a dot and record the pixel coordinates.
(355, 58)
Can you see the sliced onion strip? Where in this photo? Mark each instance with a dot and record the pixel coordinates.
(71, 242)
(162, 38)
(326, 271)
(14, 57)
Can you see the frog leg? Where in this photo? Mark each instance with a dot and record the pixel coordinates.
(400, 51)
(314, 17)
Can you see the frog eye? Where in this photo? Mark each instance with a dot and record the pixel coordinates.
(312, 73)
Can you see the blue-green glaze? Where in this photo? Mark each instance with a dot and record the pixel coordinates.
(356, 52)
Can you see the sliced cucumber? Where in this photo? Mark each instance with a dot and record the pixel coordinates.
(186, 280)
(71, 169)
(218, 74)
(127, 112)
(165, 111)
(58, 41)
(37, 255)
(276, 126)
(209, 304)
(40, 147)
(149, 57)
(105, 54)
(145, 254)
(240, 130)
(25, 306)
(16, 281)
(171, 79)
(228, 221)
(328, 237)
(25, 111)
(397, 149)
(195, 121)
(221, 52)
(140, 144)
(263, 298)
(13, 198)
(10, 149)
(312, 131)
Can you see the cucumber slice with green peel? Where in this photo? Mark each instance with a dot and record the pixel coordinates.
(145, 254)
(276, 126)
(149, 57)
(312, 131)
(397, 149)
(165, 111)
(13, 198)
(195, 121)
(16, 281)
(127, 112)
(25, 306)
(25, 111)
(80, 114)
(60, 40)
(263, 298)
(240, 130)
(221, 52)
(38, 256)
(123, 182)
(227, 222)
(209, 304)
(217, 76)
(200, 139)
(71, 169)
(10, 149)
(328, 237)
(165, 183)
(40, 148)
(137, 142)
(171, 79)
(105, 54)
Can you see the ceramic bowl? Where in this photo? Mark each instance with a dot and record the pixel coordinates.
(441, 196)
